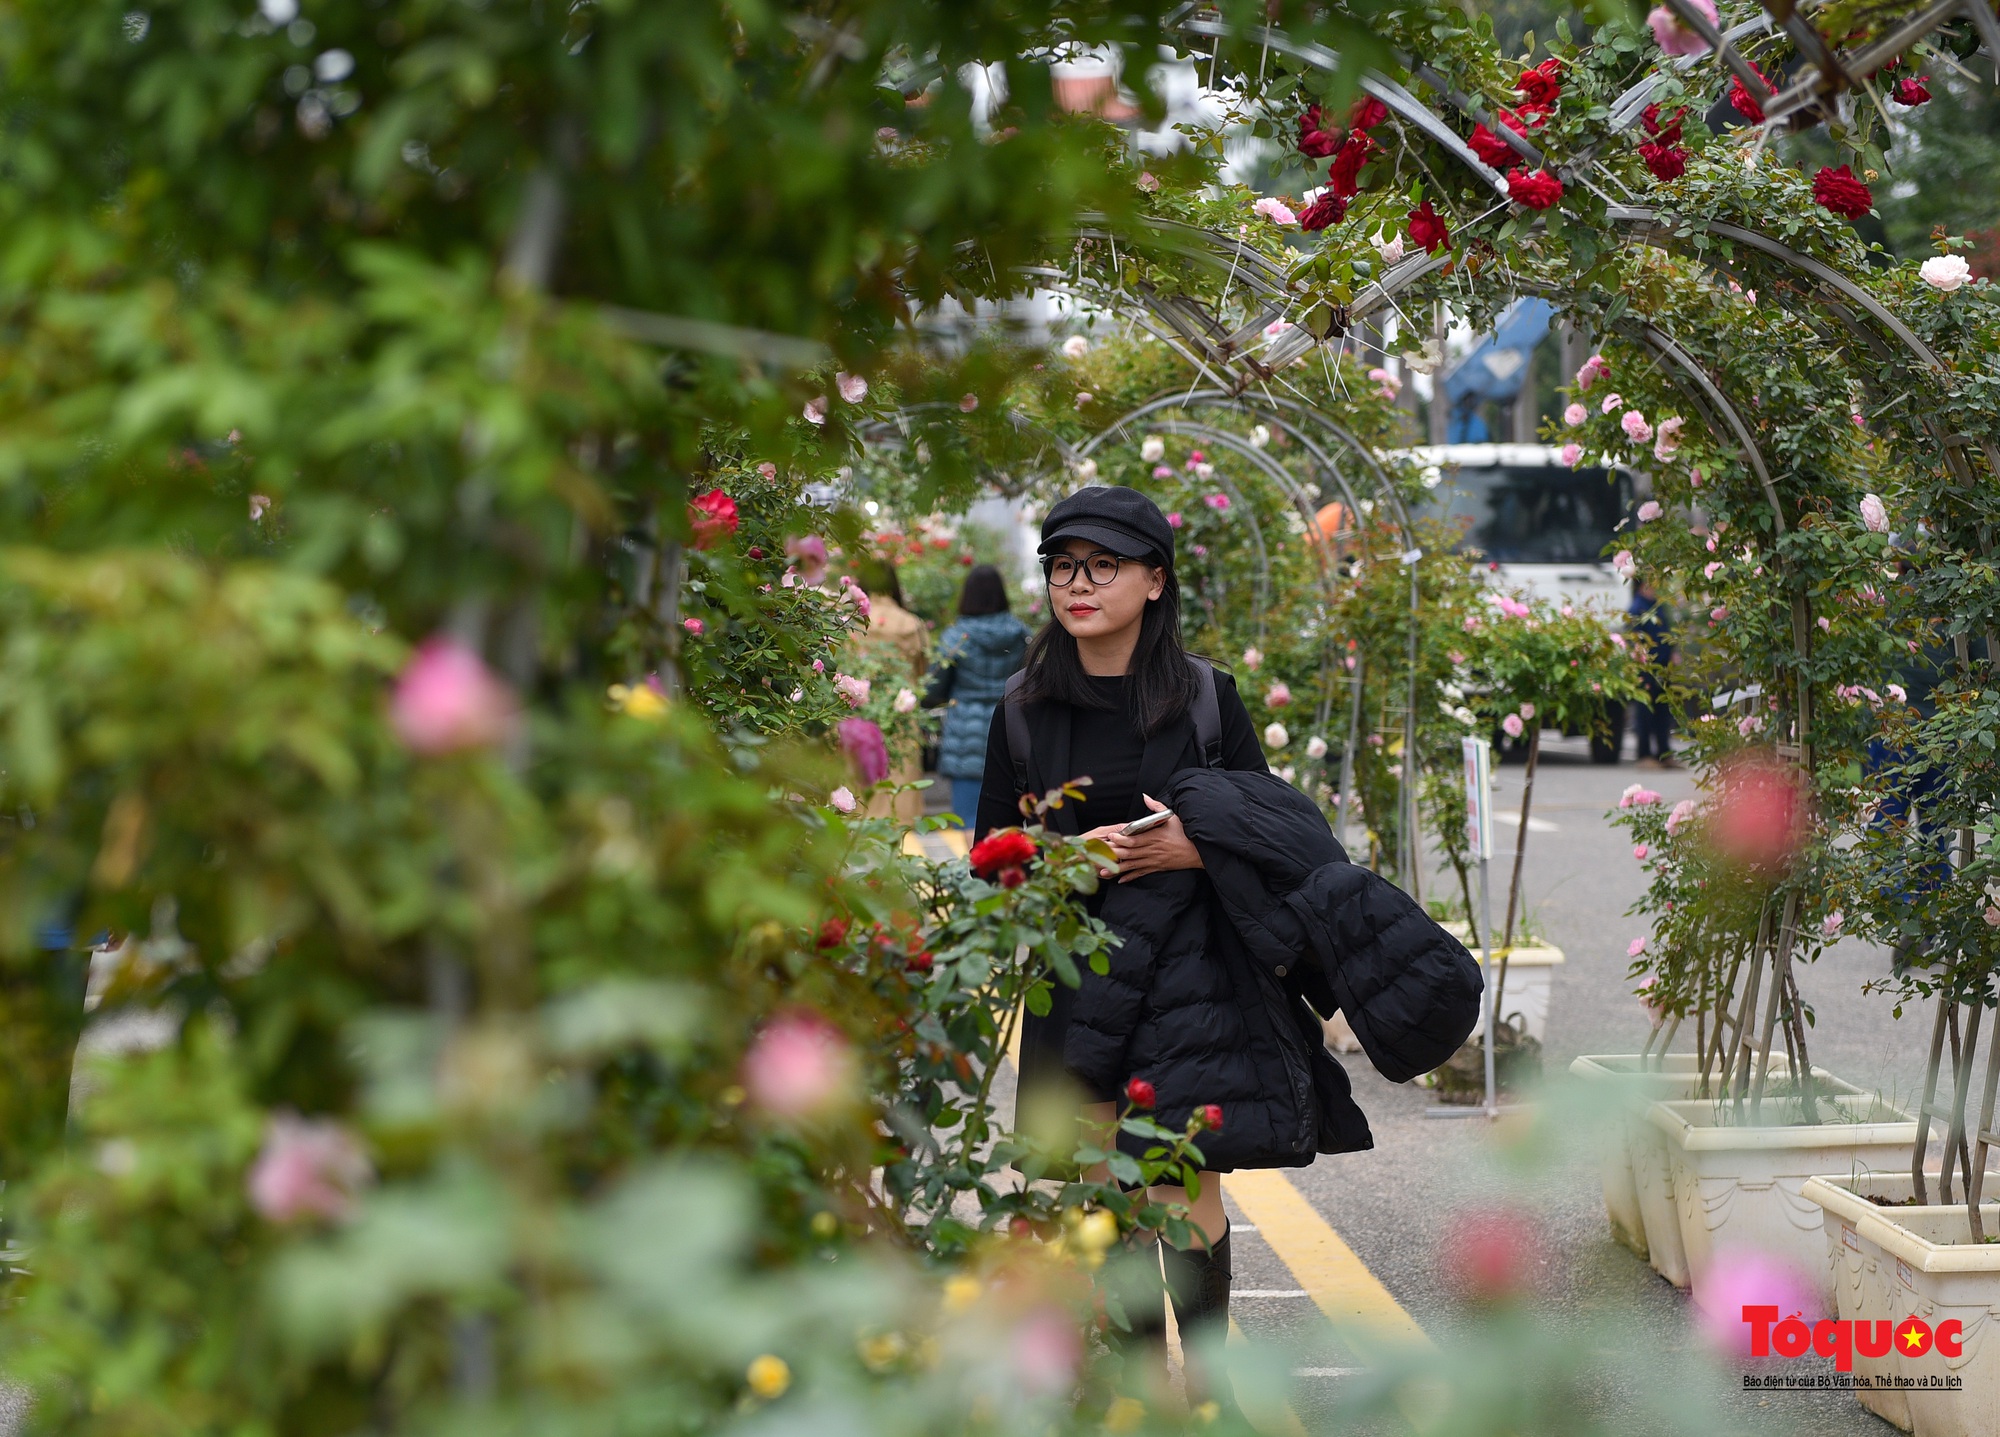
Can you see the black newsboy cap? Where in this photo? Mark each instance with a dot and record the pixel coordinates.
(1122, 520)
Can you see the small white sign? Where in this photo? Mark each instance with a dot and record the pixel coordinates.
(1478, 797)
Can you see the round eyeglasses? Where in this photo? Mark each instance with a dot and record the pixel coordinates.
(1062, 570)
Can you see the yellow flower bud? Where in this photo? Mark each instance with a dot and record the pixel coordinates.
(769, 1376)
(1125, 1415)
(1097, 1231)
(961, 1292)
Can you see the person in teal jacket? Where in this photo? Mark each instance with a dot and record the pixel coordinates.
(976, 656)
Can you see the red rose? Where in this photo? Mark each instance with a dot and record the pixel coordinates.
(1490, 147)
(920, 962)
(1537, 191)
(1542, 84)
(832, 934)
(1329, 209)
(1003, 854)
(1670, 132)
(1314, 142)
(1428, 229)
(1368, 112)
(1743, 102)
(1139, 1093)
(712, 516)
(755, 552)
(1343, 176)
(1840, 193)
(1209, 1116)
(1667, 162)
(1912, 92)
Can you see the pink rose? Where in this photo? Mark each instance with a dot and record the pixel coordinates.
(1575, 414)
(1594, 369)
(1277, 696)
(1253, 658)
(1669, 438)
(1639, 851)
(1571, 453)
(841, 798)
(447, 700)
(1512, 725)
(1682, 812)
(1874, 514)
(1649, 511)
(1275, 210)
(799, 1066)
(1623, 562)
(1635, 426)
(1527, 711)
(309, 1168)
(1174, 520)
(861, 740)
(1046, 1352)
(1746, 1277)
(1165, 471)
(1635, 948)
(815, 410)
(1217, 502)
(854, 690)
(1673, 35)
(1830, 925)
(694, 626)
(853, 388)
(967, 403)
(1610, 402)
(809, 553)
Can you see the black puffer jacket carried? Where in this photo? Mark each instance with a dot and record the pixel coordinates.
(1211, 994)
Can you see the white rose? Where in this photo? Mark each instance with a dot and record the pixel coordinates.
(1315, 747)
(906, 701)
(1275, 736)
(1087, 471)
(1945, 272)
(1260, 436)
(1153, 449)
(1076, 346)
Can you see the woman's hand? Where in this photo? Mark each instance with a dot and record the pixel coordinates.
(1157, 850)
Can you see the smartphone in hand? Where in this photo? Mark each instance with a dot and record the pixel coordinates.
(1151, 820)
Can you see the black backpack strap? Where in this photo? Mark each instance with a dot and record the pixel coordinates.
(1017, 729)
(1207, 715)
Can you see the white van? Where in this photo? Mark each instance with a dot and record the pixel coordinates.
(1543, 525)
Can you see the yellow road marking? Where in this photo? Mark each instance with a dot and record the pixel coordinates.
(1325, 1266)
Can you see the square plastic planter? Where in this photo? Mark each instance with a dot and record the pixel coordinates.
(1888, 1264)
(1637, 1167)
(1743, 1186)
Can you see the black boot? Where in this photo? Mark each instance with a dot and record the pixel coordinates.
(1198, 1283)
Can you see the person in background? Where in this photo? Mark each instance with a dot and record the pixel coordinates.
(976, 656)
(896, 640)
(1650, 622)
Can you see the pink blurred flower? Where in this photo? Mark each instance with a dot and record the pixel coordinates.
(1639, 851)
(1275, 210)
(1527, 711)
(1717, 614)
(1749, 724)
(309, 1167)
(1277, 696)
(447, 700)
(1694, 477)
(1217, 502)
(808, 551)
(967, 403)
(1174, 520)
(1761, 814)
(905, 701)
(1740, 1277)
(1645, 995)
(1668, 439)
(1571, 453)
(799, 1066)
(861, 740)
(1164, 471)
(1635, 426)
(1575, 414)
(1512, 725)
(694, 626)
(1897, 692)
(1635, 948)
(1253, 658)
(768, 469)
(842, 799)
(1046, 1351)
(1623, 562)
(258, 504)
(1673, 35)
(1682, 812)
(1637, 796)
(854, 690)
(815, 410)
(1490, 1257)
(1830, 926)
(1610, 402)
(1594, 369)
(853, 388)
(1649, 511)
(1874, 515)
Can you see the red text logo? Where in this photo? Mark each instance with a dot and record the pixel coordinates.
(1841, 1338)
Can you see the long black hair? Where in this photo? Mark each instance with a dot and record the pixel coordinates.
(1162, 681)
(985, 592)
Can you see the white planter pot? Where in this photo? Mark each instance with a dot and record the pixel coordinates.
(1637, 1168)
(1886, 1266)
(1744, 1186)
(1531, 969)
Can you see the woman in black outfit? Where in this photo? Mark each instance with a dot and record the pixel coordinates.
(1108, 689)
